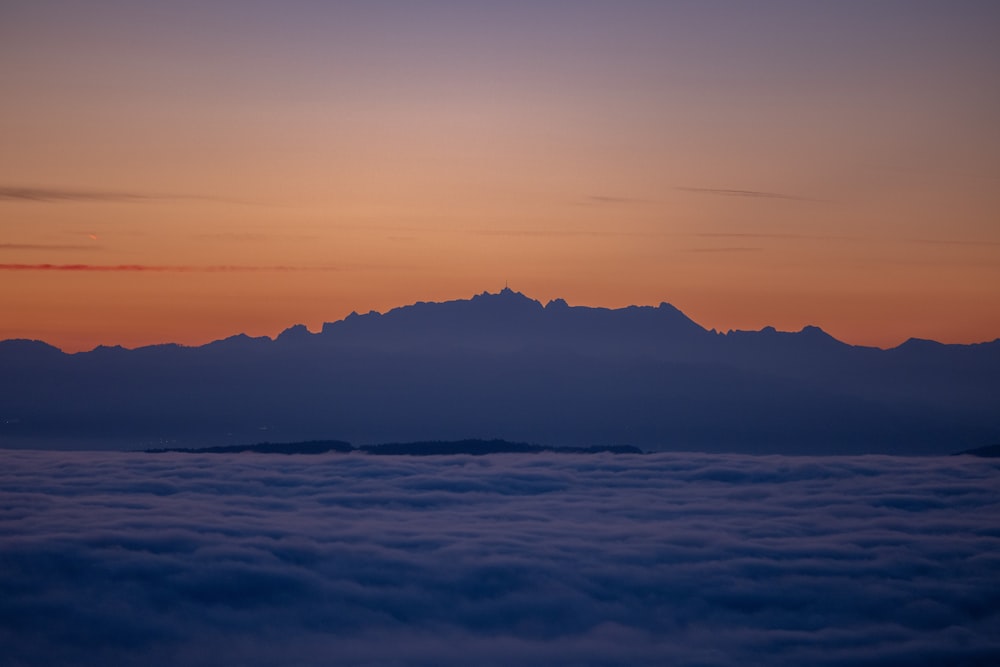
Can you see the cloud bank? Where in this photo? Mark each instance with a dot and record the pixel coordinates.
(688, 559)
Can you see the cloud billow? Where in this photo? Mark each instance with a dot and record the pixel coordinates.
(543, 559)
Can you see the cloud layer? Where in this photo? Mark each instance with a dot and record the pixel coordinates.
(111, 558)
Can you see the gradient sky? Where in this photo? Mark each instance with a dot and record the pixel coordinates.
(183, 171)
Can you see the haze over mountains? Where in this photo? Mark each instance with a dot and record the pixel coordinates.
(506, 366)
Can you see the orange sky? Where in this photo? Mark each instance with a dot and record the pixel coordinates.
(183, 173)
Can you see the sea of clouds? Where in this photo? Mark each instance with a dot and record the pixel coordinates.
(545, 559)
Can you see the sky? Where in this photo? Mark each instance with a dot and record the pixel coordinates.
(186, 171)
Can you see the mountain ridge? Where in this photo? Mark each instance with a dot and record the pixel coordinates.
(505, 366)
(300, 331)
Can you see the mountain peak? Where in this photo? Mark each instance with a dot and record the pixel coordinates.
(25, 346)
(295, 332)
(505, 297)
(505, 293)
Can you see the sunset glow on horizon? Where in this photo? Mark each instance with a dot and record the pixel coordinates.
(183, 172)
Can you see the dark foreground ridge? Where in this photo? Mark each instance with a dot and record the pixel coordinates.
(306, 447)
(425, 448)
(989, 451)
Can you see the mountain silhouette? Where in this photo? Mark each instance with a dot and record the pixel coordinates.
(506, 366)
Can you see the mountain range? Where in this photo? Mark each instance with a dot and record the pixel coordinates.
(506, 366)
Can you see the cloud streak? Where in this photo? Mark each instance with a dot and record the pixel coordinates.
(729, 249)
(25, 194)
(607, 199)
(254, 237)
(131, 559)
(561, 233)
(753, 235)
(749, 194)
(157, 268)
(47, 246)
(947, 242)
(9, 193)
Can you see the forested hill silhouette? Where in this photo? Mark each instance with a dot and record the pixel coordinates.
(506, 366)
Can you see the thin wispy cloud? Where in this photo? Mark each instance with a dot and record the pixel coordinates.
(159, 268)
(730, 249)
(559, 232)
(234, 236)
(254, 237)
(9, 193)
(47, 246)
(749, 194)
(838, 237)
(751, 235)
(777, 236)
(607, 199)
(958, 243)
